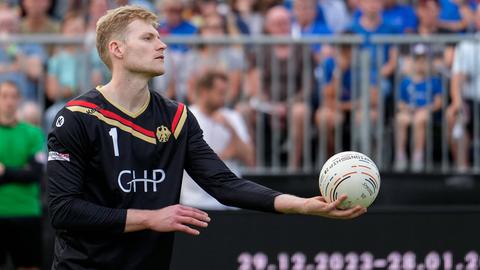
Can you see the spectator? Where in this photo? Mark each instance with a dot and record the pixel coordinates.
(455, 16)
(305, 23)
(225, 58)
(66, 69)
(174, 24)
(420, 96)
(247, 17)
(225, 132)
(336, 15)
(427, 11)
(37, 20)
(21, 163)
(465, 96)
(272, 99)
(402, 17)
(372, 23)
(337, 78)
(20, 63)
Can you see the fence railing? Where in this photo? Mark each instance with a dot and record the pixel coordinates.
(332, 94)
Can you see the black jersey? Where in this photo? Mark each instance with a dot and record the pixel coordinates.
(104, 160)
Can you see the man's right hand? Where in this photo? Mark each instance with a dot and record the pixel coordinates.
(175, 218)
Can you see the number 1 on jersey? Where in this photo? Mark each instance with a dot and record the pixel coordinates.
(113, 134)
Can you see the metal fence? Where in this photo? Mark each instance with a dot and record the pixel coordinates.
(285, 145)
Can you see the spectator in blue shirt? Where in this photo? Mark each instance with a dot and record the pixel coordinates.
(336, 75)
(455, 15)
(174, 24)
(420, 95)
(399, 16)
(305, 23)
(371, 23)
(20, 63)
(402, 17)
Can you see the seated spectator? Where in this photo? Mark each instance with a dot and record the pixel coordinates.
(420, 96)
(247, 17)
(223, 130)
(66, 69)
(273, 100)
(20, 63)
(305, 23)
(174, 23)
(225, 58)
(455, 16)
(336, 15)
(371, 23)
(400, 17)
(37, 20)
(337, 80)
(442, 54)
(465, 96)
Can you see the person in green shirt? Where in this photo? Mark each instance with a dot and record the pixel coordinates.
(22, 159)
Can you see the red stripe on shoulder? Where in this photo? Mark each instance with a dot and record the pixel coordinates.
(177, 116)
(112, 115)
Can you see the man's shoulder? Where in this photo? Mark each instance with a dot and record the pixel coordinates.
(165, 102)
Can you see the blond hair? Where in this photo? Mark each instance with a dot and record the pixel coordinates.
(113, 25)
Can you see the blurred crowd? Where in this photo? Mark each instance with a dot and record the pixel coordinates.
(270, 83)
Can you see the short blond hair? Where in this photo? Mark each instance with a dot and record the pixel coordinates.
(114, 23)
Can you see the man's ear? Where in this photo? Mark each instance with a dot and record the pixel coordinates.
(116, 48)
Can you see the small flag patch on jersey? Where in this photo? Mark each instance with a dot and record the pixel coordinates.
(179, 120)
(52, 155)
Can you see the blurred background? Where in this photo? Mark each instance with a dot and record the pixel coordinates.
(286, 85)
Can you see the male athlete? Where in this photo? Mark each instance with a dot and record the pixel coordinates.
(116, 160)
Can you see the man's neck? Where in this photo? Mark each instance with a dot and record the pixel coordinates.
(426, 29)
(129, 92)
(7, 120)
(36, 21)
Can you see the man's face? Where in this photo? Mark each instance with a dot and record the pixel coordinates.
(278, 24)
(173, 13)
(428, 13)
(218, 94)
(9, 99)
(305, 11)
(371, 7)
(143, 51)
(36, 6)
(421, 64)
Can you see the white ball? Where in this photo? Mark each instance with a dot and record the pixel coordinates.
(353, 174)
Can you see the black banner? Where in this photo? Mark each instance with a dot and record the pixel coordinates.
(409, 238)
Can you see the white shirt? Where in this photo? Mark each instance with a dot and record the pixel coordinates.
(467, 62)
(218, 138)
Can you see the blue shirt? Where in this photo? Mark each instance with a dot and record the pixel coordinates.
(329, 67)
(316, 28)
(184, 28)
(449, 11)
(399, 17)
(420, 94)
(383, 28)
(8, 54)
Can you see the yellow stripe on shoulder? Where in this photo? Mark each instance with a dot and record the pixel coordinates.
(181, 123)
